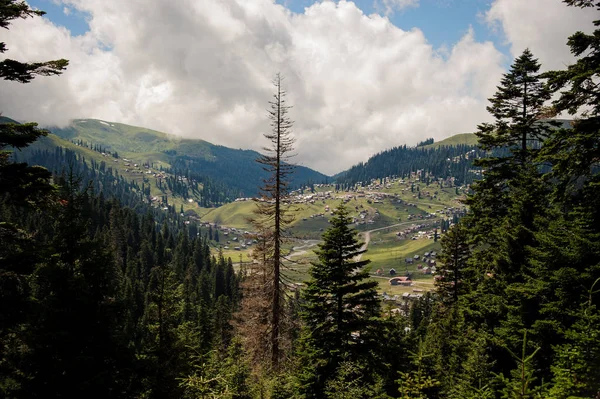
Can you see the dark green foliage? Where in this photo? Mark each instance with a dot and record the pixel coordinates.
(533, 230)
(341, 308)
(578, 81)
(453, 260)
(353, 381)
(73, 340)
(418, 383)
(26, 72)
(577, 366)
(107, 303)
(425, 142)
(522, 382)
(401, 161)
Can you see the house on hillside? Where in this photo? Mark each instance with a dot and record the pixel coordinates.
(404, 281)
(409, 261)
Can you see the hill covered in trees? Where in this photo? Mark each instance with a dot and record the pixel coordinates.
(451, 157)
(441, 161)
(233, 168)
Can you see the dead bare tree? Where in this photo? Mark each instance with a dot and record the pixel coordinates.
(273, 215)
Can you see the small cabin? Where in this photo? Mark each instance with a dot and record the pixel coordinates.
(404, 281)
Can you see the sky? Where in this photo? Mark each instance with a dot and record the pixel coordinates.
(362, 76)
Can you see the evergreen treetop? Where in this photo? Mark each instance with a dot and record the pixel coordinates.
(517, 107)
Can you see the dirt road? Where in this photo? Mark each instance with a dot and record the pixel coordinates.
(367, 235)
(302, 249)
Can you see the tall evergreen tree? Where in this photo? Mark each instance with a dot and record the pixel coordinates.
(517, 107)
(571, 243)
(340, 308)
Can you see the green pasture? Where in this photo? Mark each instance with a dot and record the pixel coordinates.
(457, 139)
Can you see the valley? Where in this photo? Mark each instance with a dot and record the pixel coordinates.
(396, 217)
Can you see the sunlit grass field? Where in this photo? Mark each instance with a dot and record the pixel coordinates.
(385, 250)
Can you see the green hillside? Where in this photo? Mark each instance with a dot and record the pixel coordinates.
(451, 157)
(4, 119)
(234, 168)
(453, 141)
(116, 136)
(470, 138)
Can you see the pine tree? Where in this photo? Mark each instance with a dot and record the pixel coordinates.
(580, 78)
(273, 215)
(163, 313)
(453, 258)
(341, 307)
(518, 106)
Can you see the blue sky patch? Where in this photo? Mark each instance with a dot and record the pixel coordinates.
(74, 20)
(443, 22)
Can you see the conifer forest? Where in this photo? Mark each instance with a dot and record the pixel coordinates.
(111, 286)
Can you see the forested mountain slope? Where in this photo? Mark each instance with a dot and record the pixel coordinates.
(234, 168)
(451, 157)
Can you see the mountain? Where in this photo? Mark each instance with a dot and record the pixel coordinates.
(236, 169)
(451, 157)
(441, 161)
(4, 119)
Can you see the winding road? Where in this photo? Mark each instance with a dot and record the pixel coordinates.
(366, 235)
(302, 249)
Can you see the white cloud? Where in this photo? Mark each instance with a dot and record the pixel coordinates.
(543, 26)
(359, 85)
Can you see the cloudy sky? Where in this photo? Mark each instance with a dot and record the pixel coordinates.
(363, 76)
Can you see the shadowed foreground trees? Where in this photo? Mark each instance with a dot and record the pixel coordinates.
(24, 186)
